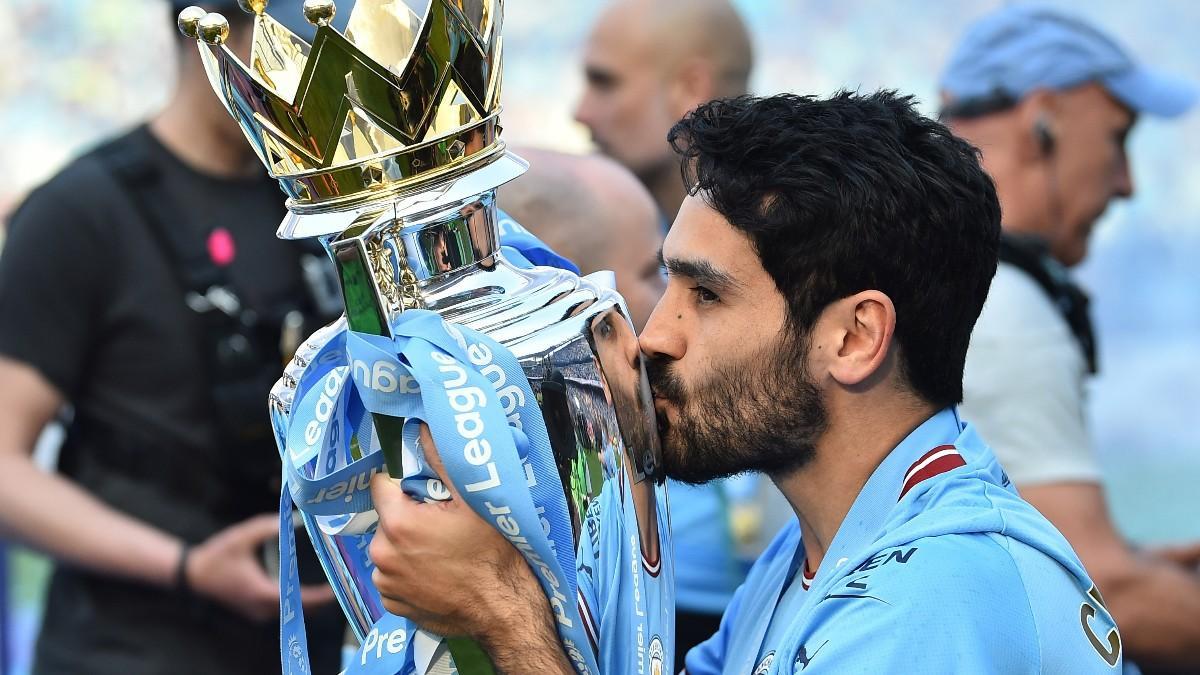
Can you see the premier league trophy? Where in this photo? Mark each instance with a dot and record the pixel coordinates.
(385, 139)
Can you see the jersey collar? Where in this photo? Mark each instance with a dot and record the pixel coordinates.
(926, 452)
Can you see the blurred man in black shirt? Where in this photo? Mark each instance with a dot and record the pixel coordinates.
(144, 288)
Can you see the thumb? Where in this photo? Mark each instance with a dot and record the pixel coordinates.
(389, 499)
(258, 529)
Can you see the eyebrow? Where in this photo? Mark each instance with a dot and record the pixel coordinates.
(700, 271)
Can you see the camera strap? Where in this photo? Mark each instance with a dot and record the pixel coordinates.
(208, 291)
(189, 260)
(1031, 257)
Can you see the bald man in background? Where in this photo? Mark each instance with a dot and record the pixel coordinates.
(647, 63)
(595, 213)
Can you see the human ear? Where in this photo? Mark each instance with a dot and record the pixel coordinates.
(693, 85)
(1037, 116)
(866, 322)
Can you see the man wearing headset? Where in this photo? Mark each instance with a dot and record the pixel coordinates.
(1050, 101)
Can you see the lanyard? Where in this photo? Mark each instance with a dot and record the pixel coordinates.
(485, 420)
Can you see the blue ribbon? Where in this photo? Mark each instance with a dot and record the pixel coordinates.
(525, 250)
(484, 418)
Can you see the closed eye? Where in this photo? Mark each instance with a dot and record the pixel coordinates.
(600, 79)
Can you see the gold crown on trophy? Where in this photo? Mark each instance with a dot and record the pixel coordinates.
(396, 104)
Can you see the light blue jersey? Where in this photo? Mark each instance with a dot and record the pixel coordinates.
(625, 583)
(939, 567)
(707, 570)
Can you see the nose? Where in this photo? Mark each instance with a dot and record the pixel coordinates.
(663, 335)
(626, 340)
(1123, 181)
(630, 348)
(583, 107)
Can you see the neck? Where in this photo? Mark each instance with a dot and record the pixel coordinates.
(196, 128)
(822, 491)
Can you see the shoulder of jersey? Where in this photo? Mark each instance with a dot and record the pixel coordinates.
(936, 573)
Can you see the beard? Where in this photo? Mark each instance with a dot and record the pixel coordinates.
(761, 414)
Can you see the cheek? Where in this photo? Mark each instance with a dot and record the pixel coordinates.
(596, 110)
(1103, 168)
(605, 107)
(642, 109)
(1091, 172)
(629, 117)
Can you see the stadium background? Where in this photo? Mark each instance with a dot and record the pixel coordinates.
(74, 71)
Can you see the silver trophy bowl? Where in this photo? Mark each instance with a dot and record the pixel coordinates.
(577, 347)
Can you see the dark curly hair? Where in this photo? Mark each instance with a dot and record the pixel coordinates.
(856, 192)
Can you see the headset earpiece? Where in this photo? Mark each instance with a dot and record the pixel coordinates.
(1044, 136)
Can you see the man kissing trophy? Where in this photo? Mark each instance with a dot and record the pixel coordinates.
(385, 139)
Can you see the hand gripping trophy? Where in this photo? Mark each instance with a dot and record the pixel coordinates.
(385, 139)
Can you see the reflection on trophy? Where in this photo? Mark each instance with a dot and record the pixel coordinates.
(386, 141)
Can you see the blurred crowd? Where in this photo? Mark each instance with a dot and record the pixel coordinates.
(1093, 174)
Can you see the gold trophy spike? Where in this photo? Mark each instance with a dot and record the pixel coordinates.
(319, 12)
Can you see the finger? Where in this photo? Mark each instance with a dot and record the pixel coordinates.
(387, 495)
(262, 609)
(260, 586)
(398, 608)
(392, 505)
(258, 609)
(393, 600)
(381, 552)
(1189, 551)
(259, 528)
(1187, 555)
(382, 582)
(316, 595)
(435, 462)
(396, 584)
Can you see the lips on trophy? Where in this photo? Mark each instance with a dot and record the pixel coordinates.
(386, 140)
